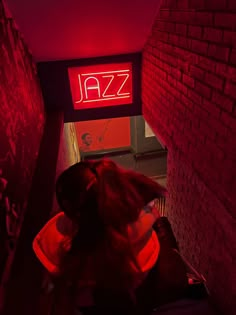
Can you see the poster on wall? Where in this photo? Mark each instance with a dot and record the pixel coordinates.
(103, 135)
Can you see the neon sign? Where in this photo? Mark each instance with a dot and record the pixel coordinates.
(101, 85)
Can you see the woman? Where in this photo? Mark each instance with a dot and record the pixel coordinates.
(102, 242)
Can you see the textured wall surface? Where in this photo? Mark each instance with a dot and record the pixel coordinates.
(21, 117)
(189, 95)
(69, 154)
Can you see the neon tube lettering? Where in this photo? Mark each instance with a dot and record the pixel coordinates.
(106, 99)
(109, 83)
(105, 72)
(81, 91)
(122, 85)
(93, 87)
(91, 82)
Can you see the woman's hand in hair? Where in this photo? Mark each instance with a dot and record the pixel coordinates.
(147, 218)
(152, 207)
(155, 210)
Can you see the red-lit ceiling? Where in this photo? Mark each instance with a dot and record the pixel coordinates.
(66, 29)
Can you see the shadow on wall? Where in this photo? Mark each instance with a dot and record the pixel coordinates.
(21, 127)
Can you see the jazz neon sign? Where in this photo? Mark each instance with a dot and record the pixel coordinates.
(101, 85)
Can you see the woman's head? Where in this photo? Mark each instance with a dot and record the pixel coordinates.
(74, 187)
(103, 199)
(115, 194)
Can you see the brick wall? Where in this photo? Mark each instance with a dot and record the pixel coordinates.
(189, 99)
(21, 122)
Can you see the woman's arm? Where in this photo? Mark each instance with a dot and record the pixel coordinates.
(148, 216)
(148, 188)
(165, 234)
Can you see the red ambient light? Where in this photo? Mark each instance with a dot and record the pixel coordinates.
(101, 85)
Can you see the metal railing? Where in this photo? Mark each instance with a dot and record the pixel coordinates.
(160, 203)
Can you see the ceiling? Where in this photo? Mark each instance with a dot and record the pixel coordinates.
(71, 29)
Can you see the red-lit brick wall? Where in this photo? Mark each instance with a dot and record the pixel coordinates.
(189, 99)
(21, 119)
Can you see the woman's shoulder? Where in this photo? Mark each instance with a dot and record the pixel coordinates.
(142, 226)
(53, 241)
(64, 225)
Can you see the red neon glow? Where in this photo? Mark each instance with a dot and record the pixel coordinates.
(101, 85)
